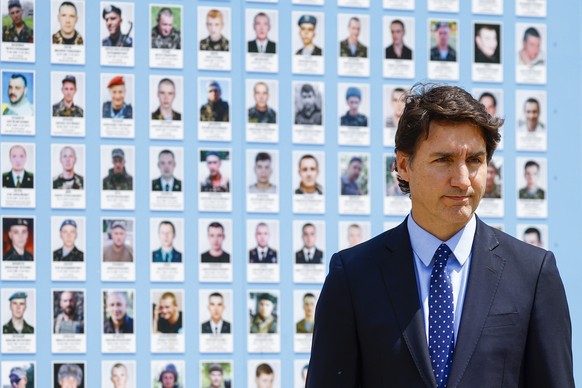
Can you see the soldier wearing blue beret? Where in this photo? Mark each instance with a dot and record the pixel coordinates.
(353, 118)
(307, 24)
(17, 324)
(112, 16)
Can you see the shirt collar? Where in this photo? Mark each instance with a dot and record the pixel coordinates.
(425, 244)
(16, 175)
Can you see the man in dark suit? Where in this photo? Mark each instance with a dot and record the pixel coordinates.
(167, 181)
(166, 253)
(308, 254)
(262, 253)
(17, 177)
(442, 299)
(262, 44)
(216, 325)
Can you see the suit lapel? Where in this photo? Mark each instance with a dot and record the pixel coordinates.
(397, 268)
(484, 275)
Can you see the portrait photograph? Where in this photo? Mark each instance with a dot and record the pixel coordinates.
(531, 45)
(18, 248)
(118, 249)
(304, 303)
(69, 374)
(118, 374)
(215, 320)
(531, 127)
(354, 183)
(214, 38)
(18, 167)
(166, 245)
(399, 47)
(264, 321)
(396, 202)
(354, 114)
(263, 248)
(488, 7)
(262, 109)
(117, 106)
(68, 247)
(168, 323)
(118, 321)
(117, 171)
(166, 36)
(18, 28)
(171, 373)
(487, 59)
(353, 35)
(531, 8)
(214, 175)
(444, 45)
(216, 374)
(68, 176)
(166, 178)
(308, 177)
(352, 233)
(214, 119)
(117, 33)
(215, 243)
(309, 260)
(300, 370)
(393, 107)
(532, 187)
(21, 373)
(166, 107)
(307, 42)
(492, 203)
(18, 103)
(307, 107)
(534, 234)
(19, 321)
(494, 103)
(262, 40)
(68, 317)
(264, 373)
(262, 181)
(68, 104)
(68, 37)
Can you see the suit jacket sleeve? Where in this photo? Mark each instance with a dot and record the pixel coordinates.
(549, 343)
(334, 363)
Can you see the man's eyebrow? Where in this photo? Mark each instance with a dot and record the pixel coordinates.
(452, 154)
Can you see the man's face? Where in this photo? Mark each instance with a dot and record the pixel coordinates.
(16, 90)
(397, 34)
(265, 308)
(117, 93)
(68, 303)
(265, 380)
(213, 94)
(18, 235)
(491, 174)
(167, 308)
(68, 159)
(308, 99)
(354, 170)
(261, 95)
(116, 306)
(216, 308)
(165, 25)
(213, 164)
(487, 41)
(215, 238)
(15, 15)
(531, 175)
(166, 234)
(308, 172)
(68, 89)
(532, 238)
(447, 176)
(69, 236)
(168, 380)
(353, 104)
(307, 33)
(166, 164)
(215, 378)
(118, 165)
(531, 46)
(442, 35)
(309, 306)
(354, 236)
(214, 26)
(118, 237)
(532, 115)
(398, 104)
(67, 19)
(17, 158)
(354, 29)
(18, 307)
(263, 171)
(68, 382)
(262, 27)
(113, 23)
(262, 236)
(309, 237)
(166, 95)
(119, 377)
(489, 105)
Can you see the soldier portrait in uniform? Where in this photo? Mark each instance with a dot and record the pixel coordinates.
(215, 253)
(18, 239)
(351, 46)
(309, 253)
(308, 105)
(17, 324)
(117, 177)
(307, 25)
(261, 112)
(216, 324)
(532, 190)
(305, 326)
(113, 22)
(308, 172)
(68, 251)
(264, 320)
(166, 32)
(215, 40)
(117, 108)
(398, 50)
(215, 109)
(68, 310)
(262, 253)
(17, 30)
(66, 107)
(116, 248)
(442, 50)
(117, 306)
(353, 118)
(261, 44)
(167, 181)
(353, 179)
(215, 182)
(20, 95)
(17, 177)
(397, 107)
(67, 17)
(493, 184)
(263, 171)
(166, 96)
(166, 253)
(68, 179)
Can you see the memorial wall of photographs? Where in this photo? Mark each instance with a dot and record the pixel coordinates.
(177, 174)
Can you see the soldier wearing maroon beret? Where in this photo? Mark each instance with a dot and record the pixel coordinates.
(117, 108)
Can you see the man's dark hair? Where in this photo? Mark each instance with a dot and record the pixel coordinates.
(398, 21)
(531, 229)
(264, 369)
(307, 88)
(490, 95)
(308, 156)
(21, 76)
(262, 156)
(261, 14)
(166, 152)
(426, 103)
(217, 294)
(532, 100)
(165, 11)
(69, 4)
(308, 295)
(531, 31)
(530, 163)
(216, 225)
(353, 19)
(166, 81)
(307, 225)
(168, 223)
(355, 159)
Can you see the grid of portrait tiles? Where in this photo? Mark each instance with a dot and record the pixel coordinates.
(176, 174)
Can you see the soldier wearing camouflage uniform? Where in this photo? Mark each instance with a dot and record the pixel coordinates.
(18, 233)
(67, 17)
(164, 35)
(68, 179)
(66, 107)
(17, 324)
(215, 109)
(68, 252)
(261, 112)
(215, 41)
(112, 16)
(18, 31)
(353, 118)
(352, 47)
(118, 178)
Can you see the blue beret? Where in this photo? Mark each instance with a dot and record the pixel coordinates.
(354, 92)
(214, 85)
(68, 222)
(70, 78)
(118, 152)
(16, 374)
(307, 19)
(18, 295)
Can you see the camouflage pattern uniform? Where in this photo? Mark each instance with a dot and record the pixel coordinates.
(25, 35)
(61, 183)
(256, 116)
(361, 50)
(215, 111)
(358, 120)
(172, 41)
(61, 110)
(209, 45)
(74, 255)
(76, 40)
(122, 181)
(8, 328)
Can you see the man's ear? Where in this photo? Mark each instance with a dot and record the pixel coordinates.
(403, 165)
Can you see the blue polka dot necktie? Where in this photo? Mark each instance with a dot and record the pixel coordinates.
(441, 321)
